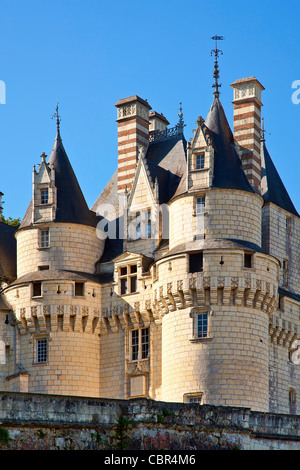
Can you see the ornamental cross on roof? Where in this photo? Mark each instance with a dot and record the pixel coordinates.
(216, 51)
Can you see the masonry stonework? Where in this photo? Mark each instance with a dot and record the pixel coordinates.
(179, 285)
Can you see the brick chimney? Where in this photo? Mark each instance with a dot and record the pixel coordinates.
(133, 133)
(247, 126)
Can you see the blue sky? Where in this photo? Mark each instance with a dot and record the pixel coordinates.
(88, 54)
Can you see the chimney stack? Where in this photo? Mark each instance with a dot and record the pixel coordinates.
(133, 134)
(247, 126)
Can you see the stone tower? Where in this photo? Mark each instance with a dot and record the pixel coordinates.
(55, 296)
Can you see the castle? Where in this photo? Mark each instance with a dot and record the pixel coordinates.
(181, 283)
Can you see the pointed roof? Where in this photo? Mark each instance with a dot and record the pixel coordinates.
(8, 253)
(71, 205)
(228, 171)
(273, 189)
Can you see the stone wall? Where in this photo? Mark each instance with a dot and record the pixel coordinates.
(50, 422)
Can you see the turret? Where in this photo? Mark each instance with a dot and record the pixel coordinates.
(56, 295)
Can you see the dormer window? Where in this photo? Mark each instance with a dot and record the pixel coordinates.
(44, 196)
(128, 279)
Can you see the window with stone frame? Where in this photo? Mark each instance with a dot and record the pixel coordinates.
(194, 397)
(44, 196)
(139, 344)
(79, 289)
(201, 323)
(199, 161)
(200, 205)
(44, 238)
(128, 279)
(41, 353)
(37, 289)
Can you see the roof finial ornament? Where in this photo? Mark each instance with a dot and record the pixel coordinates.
(58, 118)
(216, 51)
(180, 124)
(263, 131)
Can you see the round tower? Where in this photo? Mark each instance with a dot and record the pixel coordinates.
(216, 287)
(56, 295)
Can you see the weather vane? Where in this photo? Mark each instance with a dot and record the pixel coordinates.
(58, 118)
(216, 51)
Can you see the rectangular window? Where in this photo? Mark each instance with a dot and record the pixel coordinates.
(41, 350)
(200, 205)
(79, 289)
(148, 222)
(196, 263)
(37, 289)
(200, 161)
(140, 344)
(196, 399)
(123, 284)
(44, 196)
(43, 268)
(288, 224)
(145, 343)
(134, 345)
(202, 325)
(128, 279)
(247, 260)
(44, 238)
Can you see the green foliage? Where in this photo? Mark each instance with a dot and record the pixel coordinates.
(4, 436)
(11, 221)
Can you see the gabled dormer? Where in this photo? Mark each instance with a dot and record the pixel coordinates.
(200, 154)
(43, 192)
(142, 210)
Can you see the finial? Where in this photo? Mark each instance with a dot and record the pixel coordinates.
(180, 124)
(263, 131)
(43, 157)
(58, 118)
(216, 51)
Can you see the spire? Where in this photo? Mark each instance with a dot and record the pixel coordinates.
(272, 187)
(227, 168)
(71, 206)
(216, 74)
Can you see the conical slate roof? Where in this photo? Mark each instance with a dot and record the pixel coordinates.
(71, 204)
(273, 189)
(228, 171)
(8, 265)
